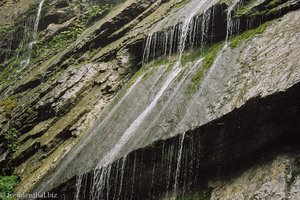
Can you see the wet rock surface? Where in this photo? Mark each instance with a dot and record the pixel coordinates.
(57, 99)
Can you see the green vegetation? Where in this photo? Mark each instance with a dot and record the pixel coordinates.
(269, 9)
(30, 111)
(32, 9)
(59, 41)
(189, 57)
(244, 9)
(11, 140)
(8, 72)
(274, 3)
(95, 12)
(248, 34)
(7, 186)
(181, 3)
(7, 105)
(4, 29)
(209, 56)
(273, 11)
(62, 39)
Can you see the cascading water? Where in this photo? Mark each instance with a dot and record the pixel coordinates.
(26, 61)
(183, 34)
(99, 183)
(81, 145)
(203, 32)
(101, 186)
(133, 127)
(129, 133)
(230, 24)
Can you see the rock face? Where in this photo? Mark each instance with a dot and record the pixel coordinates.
(88, 86)
(276, 179)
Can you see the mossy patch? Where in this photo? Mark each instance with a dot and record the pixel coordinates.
(95, 12)
(209, 55)
(235, 41)
(11, 140)
(64, 38)
(7, 105)
(61, 40)
(7, 186)
(274, 3)
(271, 8)
(4, 29)
(190, 57)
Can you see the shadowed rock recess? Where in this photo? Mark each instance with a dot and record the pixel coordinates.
(150, 99)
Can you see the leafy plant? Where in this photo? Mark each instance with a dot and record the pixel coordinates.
(95, 12)
(7, 186)
(11, 140)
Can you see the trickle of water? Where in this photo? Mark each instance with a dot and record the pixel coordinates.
(178, 165)
(122, 177)
(69, 158)
(78, 186)
(177, 89)
(205, 81)
(111, 155)
(186, 31)
(37, 20)
(205, 27)
(230, 26)
(25, 62)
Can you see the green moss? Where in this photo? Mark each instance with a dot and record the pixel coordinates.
(96, 12)
(7, 105)
(244, 9)
(4, 29)
(30, 111)
(269, 9)
(235, 41)
(7, 186)
(181, 3)
(189, 57)
(61, 40)
(32, 9)
(273, 11)
(11, 140)
(209, 56)
(274, 3)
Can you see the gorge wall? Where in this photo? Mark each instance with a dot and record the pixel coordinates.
(151, 99)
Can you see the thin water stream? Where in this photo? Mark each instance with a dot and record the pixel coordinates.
(31, 44)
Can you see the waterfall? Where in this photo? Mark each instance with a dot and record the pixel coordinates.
(134, 126)
(181, 35)
(99, 184)
(25, 62)
(229, 30)
(72, 155)
(178, 167)
(185, 33)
